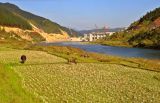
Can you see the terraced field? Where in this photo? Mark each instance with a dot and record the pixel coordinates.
(53, 80)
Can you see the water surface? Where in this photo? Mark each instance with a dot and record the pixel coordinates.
(118, 51)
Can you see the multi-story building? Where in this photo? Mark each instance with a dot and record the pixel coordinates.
(96, 35)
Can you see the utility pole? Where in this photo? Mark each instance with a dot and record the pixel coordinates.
(96, 28)
(106, 29)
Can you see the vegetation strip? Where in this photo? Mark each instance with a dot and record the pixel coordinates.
(11, 90)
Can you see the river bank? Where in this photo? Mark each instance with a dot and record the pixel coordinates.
(83, 56)
(110, 50)
(125, 44)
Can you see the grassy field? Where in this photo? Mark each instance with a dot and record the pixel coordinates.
(11, 90)
(52, 80)
(80, 55)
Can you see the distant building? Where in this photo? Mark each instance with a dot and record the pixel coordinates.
(96, 35)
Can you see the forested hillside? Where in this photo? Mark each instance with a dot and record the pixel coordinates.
(21, 18)
(8, 18)
(143, 33)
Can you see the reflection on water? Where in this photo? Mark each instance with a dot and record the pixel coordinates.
(120, 51)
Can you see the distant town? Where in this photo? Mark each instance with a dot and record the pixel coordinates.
(93, 36)
(96, 34)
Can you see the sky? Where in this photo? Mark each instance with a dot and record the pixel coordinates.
(85, 14)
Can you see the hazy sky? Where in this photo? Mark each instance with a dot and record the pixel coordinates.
(84, 14)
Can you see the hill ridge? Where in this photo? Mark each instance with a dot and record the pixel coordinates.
(46, 25)
(144, 32)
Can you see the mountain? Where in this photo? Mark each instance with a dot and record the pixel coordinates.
(100, 30)
(8, 18)
(13, 16)
(142, 33)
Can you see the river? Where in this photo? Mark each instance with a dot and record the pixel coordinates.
(117, 51)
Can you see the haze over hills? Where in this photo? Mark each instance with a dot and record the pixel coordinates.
(101, 30)
(13, 16)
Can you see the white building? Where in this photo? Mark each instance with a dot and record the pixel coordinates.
(95, 36)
